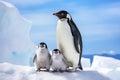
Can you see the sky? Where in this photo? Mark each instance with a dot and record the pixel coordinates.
(97, 20)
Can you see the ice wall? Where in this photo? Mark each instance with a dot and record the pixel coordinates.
(15, 43)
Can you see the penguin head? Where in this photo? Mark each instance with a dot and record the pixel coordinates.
(56, 52)
(63, 14)
(42, 45)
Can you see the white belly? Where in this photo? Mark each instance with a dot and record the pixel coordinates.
(65, 42)
(42, 59)
(58, 63)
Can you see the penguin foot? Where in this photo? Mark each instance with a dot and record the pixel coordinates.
(47, 70)
(54, 71)
(80, 67)
(62, 71)
(71, 69)
(37, 70)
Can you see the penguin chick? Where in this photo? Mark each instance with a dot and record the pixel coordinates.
(58, 61)
(42, 58)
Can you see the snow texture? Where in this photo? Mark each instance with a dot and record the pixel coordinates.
(16, 72)
(14, 34)
(85, 62)
(105, 62)
(107, 66)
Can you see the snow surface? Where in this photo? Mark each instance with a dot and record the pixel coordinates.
(107, 66)
(16, 72)
(14, 35)
(105, 62)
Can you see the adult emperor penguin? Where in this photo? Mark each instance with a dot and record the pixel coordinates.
(69, 39)
(42, 58)
(58, 61)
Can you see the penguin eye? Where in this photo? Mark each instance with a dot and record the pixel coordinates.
(62, 14)
(55, 52)
(43, 46)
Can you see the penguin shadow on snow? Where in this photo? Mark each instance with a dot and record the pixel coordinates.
(82, 75)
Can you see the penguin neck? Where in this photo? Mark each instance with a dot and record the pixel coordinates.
(66, 20)
(57, 57)
(42, 50)
(63, 19)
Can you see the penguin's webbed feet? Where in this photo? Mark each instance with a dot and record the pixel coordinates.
(54, 70)
(38, 70)
(80, 68)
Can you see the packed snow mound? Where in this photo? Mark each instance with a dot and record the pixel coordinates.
(105, 62)
(107, 66)
(14, 33)
(17, 72)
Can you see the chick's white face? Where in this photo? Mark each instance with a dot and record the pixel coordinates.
(56, 53)
(42, 46)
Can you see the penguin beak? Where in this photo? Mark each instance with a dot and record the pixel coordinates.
(55, 14)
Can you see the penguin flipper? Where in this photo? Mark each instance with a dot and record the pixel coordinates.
(76, 36)
(78, 43)
(50, 58)
(34, 58)
(77, 39)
